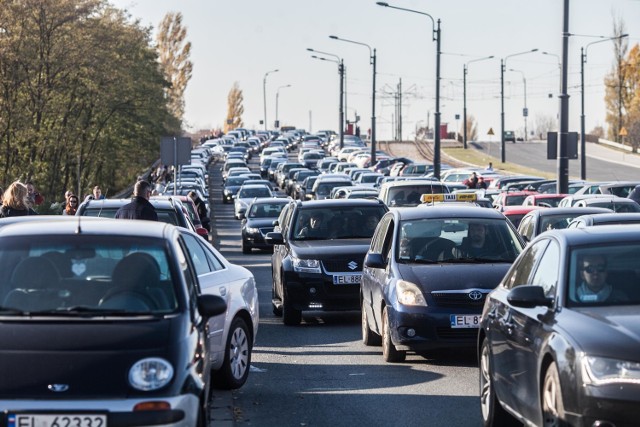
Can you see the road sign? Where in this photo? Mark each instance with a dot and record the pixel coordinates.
(623, 131)
(525, 112)
(490, 132)
(457, 116)
(170, 145)
(552, 145)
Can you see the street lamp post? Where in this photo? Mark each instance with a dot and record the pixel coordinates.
(264, 95)
(278, 96)
(437, 36)
(341, 70)
(464, 92)
(583, 140)
(372, 57)
(525, 112)
(503, 64)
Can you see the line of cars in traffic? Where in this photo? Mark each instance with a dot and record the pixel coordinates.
(551, 313)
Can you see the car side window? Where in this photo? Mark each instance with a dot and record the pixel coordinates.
(378, 239)
(521, 270)
(197, 255)
(548, 270)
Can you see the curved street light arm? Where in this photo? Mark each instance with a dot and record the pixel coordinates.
(621, 36)
(355, 42)
(324, 53)
(433, 22)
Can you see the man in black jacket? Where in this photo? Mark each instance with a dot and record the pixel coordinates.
(140, 207)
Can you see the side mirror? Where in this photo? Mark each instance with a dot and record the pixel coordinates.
(202, 232)
(274, 238)
(528, 296)
(241, 215)
(211, 305)
(374, 261)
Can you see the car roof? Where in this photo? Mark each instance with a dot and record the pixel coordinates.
(611, 217)
(107, 227)
(444, 210)
(112, 203)
(565, 211)
(328, 203)
(595, 235)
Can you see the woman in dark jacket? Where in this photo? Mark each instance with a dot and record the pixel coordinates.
(15, 201)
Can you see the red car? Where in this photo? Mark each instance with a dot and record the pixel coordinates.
(510, 198)
(516, 213)
(544, 200)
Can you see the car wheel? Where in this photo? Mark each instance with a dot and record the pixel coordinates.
(492, 411)
(552, 404)
(290, 316)
(389, 351)
(237, 359)
(246, 249)
(369, 338)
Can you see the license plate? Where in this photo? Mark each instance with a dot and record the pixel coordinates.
(58, 420)
(347, 279)
(465, 320)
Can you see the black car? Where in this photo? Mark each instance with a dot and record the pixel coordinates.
(559, 341)
(258, 221)
(304, 189)
(427, 274)
(540, 220)
(318, 255)
(100, 319)
(231, 187)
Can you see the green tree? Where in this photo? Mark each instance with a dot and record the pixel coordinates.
(174, 53)
(81, 96)
(234, 108)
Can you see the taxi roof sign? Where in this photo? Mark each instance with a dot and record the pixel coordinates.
(458, 197)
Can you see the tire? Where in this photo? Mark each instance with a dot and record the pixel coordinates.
(245, 249)
(552, 404)
(369, 338)
(493, 414)
(237, 359)
(389, 351)
(290, 316)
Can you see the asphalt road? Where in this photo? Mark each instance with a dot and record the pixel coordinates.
(533, 154)
(320, 374)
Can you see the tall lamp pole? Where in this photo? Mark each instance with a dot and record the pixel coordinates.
(503, 65)
(437, 36)
(264, 95)
(341, 107)
(372, 58)
(464, 91)
(277, 96)
(525, 113)
(583, 140)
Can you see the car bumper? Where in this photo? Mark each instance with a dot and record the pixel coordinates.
(316, 291)
(607, 405)
(427, 328)
(119, 412)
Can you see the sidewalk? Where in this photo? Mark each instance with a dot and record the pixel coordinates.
(603, 152)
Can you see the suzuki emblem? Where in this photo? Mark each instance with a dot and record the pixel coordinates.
(58, 388)
(475, 295)
(352, 265)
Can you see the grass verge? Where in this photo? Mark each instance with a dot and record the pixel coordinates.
(475, 157)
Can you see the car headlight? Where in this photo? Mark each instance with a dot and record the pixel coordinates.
(603, 370)
(409, 294)
(306, 265)
(150, 374)
(252, 230)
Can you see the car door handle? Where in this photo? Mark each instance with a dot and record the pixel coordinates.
(223, 291)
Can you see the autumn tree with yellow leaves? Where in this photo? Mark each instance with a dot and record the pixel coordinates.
(234, 108)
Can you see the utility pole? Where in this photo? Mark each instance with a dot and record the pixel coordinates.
(563, 159)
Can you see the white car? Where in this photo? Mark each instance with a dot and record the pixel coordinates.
(246, 195)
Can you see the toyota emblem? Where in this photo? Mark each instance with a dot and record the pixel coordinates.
(475, 295)
(58, 388)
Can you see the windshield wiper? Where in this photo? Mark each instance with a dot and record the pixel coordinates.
(474, 260)
(9, 310)
(89, 311)
(424, 261)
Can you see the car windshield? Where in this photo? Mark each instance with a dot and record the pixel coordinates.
(344, 222)
(265, 210)
(86, 275)
(468, 240)
(603, 276)
(409, 195)
(246, 193)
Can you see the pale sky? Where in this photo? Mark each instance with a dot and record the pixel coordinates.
(241, 40)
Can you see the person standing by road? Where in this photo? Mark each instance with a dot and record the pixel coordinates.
(140, 207)
(72, 205)
(201, 207)
(16, 201)
(34, 196)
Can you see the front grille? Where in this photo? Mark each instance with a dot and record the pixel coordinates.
(461, 299)
(265, 230)
(457, 334)
(347, 264)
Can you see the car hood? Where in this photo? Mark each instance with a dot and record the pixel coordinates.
(328, 249)
(92, 357)
(604, 331)
(432, 277)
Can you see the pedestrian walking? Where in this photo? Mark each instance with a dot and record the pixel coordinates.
(140, 207)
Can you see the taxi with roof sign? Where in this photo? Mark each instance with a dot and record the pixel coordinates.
(471, 199)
